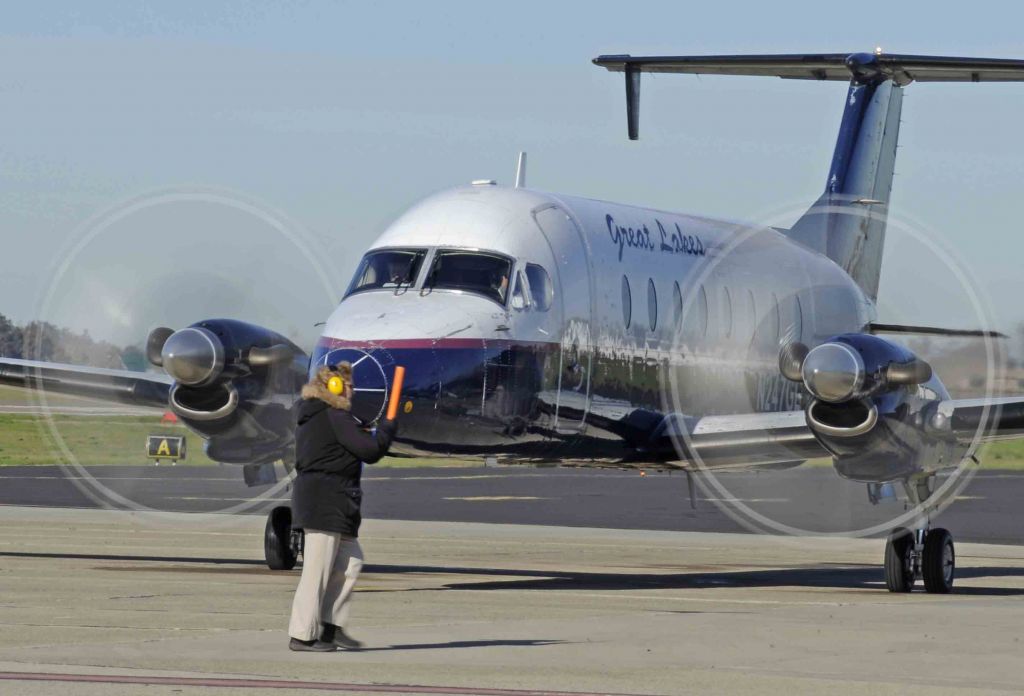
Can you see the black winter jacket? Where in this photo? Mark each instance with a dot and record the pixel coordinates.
(330, 448)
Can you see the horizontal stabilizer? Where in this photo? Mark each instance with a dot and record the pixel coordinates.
(902, 69)
(858, 68)
(932, 331)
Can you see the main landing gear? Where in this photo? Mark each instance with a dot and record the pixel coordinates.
(922, 553)
(282, 545)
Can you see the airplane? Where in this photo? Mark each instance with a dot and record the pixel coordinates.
(545, 327)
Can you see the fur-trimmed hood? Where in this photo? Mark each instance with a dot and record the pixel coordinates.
(316, 388)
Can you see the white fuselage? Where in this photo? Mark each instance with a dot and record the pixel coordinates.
(648, 313)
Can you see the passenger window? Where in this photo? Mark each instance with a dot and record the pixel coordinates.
(677, 305)
(478, 272)
(652, 304)
(627, 302)
(774, 321)
(541, 290)
(726, 312)
(387, 269)
(798, 320)
(696, 315)
(751, 314)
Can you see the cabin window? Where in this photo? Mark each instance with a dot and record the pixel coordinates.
(702, 312)
(695, 321)
(798, 320)
(726, 312)
(652, 304)
(387, 269)
(478, 272)
(791, 320)
(627, 302)
(774, 321)
(768, 328)
(541, 290)
(677, 305)
(751, 314)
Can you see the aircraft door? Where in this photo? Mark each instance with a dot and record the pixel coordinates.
(572, 304)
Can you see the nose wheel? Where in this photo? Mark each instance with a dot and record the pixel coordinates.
(924, 553)
(282, 545)
(938, 561)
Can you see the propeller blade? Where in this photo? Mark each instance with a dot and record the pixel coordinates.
(262, 357)
(916, 371)
(155, 344)
(791, 361)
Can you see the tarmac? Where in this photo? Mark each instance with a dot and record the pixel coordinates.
(811, 498)
(110, 602)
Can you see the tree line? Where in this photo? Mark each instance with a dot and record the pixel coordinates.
(41, 340)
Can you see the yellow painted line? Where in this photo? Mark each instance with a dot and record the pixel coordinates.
(491, 498)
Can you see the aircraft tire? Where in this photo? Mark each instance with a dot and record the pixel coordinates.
(938, 561)
(277, 539)
(899, 575)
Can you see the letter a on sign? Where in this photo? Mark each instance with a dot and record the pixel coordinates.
(164, 448)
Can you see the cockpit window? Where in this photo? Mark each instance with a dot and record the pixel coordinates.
(471, 271)
(386, 269)
(540, 286)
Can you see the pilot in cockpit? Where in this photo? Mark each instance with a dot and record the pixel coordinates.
(499, 285)
(398, 271)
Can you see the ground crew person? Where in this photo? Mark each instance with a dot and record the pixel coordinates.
(330, 447)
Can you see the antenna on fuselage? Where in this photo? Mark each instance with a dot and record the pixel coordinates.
(521, 171)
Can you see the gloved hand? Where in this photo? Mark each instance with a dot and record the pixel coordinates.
(388, 426)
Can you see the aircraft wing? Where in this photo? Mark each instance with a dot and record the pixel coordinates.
(759, 439)
(999, 419)
(122, 386)
(746, 439)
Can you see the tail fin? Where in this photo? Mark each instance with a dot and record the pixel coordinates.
(848, 222)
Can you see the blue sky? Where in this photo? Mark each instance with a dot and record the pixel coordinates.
(337, 116)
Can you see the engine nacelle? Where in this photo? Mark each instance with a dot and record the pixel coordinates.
(235, 384)
(872, 407)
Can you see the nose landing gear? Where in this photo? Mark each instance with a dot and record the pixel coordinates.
(282, 545)
(922, 553)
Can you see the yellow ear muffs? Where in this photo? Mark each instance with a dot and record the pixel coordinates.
(336, 385)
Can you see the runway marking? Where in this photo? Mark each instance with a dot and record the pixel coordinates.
(243, 683)
(493, 498)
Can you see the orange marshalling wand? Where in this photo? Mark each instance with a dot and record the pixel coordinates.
(396, 392)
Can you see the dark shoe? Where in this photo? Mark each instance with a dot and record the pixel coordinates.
(310, 646)
(336, 635)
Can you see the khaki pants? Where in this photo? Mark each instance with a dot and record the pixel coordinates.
(330, 565)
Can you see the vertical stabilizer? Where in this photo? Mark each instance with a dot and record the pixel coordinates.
(847, 223)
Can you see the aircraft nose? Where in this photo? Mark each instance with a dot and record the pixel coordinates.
(193, 356)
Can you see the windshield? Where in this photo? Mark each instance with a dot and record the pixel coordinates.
(472, 271)
(388, 268)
